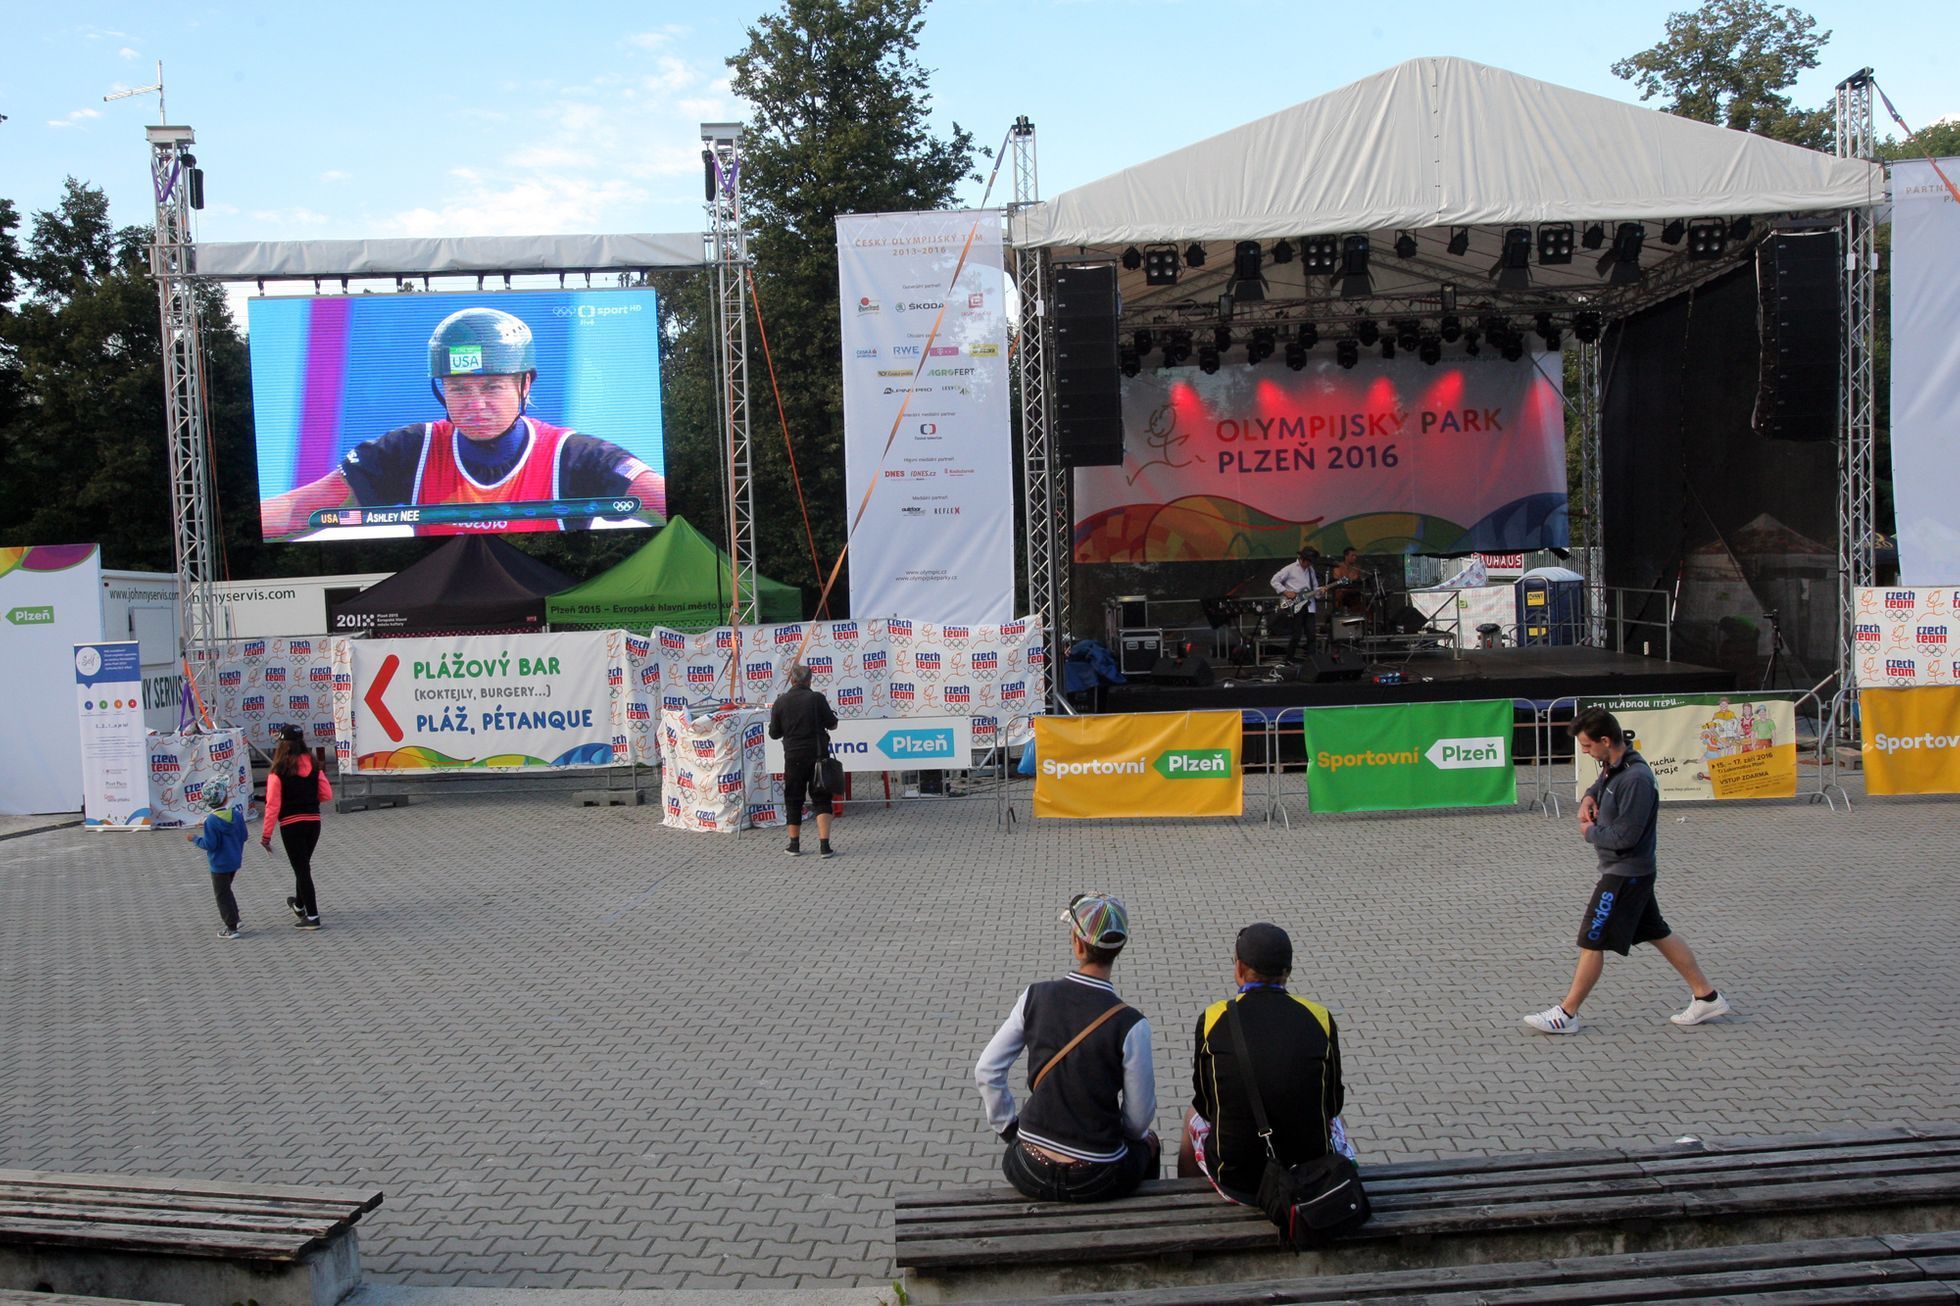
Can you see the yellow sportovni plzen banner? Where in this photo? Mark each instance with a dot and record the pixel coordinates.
(1911, 739)
(1160, 764)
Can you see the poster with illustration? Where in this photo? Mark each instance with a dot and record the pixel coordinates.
(1709, 746)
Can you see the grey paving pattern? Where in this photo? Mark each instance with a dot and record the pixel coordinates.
(579, 1050)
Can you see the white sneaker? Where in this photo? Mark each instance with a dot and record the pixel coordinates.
(1698, 1011)
(1553, 1020)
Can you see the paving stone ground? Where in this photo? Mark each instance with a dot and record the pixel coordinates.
(580, 1050)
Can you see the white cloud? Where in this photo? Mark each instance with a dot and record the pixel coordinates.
(104, 34)
(128, 53)
(657, 39)
(673, 74)
(76, 119)
(334, 174)
(546, 205)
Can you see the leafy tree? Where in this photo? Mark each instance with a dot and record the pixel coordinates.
(1941, 141)
(1730, 62)
(839, 126)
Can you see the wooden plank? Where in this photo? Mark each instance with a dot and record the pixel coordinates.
(10, 1194)
(1001, 1193)
(147, 1238)
(1920, 1293)
(1190, 1200)
(1113, 1216)
(1938, 1267)
(1846, 1192)
(11, 1297)
(1806, 1174)
(1931, 1152)
(167, 1219)
(1944, 1243)
(366, 1199)
(1864, 1277)
(1111, 1244)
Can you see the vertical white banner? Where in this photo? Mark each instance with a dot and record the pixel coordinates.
(115, 759)
(1925, 371)
(937, 539)
(50, 601)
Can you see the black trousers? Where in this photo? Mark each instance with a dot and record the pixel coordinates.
(796, 787)
(1042, 1180)
(1303, 629)
(300, 839)
(227, 905)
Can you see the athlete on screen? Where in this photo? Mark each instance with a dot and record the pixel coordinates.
(482, 363)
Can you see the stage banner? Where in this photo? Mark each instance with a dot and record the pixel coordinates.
(927, 435)
(1925, 370)
(1409, 755)
(115, 759)
(260, 685)
(489, 702)
(1390, 457)
(1152, 764)
(182, 768)
(991, 673)
(1708, 746)
(1911, 740)
(1905, 637)
(889, 744)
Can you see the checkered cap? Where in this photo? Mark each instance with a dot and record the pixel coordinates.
(1098, 919)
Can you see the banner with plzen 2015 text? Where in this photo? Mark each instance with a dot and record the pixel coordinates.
(1911, 739)
(489, 702)
(1403, 756)
(927, 440)
(1143, 764)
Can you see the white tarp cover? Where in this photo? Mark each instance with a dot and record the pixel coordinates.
(1435, 142)
(249, 259)
(1925, 371)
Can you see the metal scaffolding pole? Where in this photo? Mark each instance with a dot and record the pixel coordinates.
(173, 262)
(722, 157)
(1044, 481)
(1857, 407)
(1589, 532)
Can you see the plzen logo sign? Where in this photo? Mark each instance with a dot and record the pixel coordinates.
(1466, 754)
(1194, 764)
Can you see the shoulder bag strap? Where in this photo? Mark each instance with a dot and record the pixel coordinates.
(1251, 1080)
(1069, 1047)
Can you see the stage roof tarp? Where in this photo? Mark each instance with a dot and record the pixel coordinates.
(472, 584)
(1441, 142)
(678, 579)
(446, 256)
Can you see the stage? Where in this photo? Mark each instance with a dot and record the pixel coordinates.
(1537, 674)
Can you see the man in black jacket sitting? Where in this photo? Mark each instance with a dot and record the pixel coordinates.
(802, 719)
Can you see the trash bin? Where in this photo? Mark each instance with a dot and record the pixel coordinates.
(1490, 635)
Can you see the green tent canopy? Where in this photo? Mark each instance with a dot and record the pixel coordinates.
(679, 580)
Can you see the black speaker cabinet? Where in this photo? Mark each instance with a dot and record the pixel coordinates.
(1188, 670)
(1797, 385)
(1330, 667)
(1088, 387)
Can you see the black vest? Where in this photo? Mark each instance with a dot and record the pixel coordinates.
(1076, 1109)
(299, 795)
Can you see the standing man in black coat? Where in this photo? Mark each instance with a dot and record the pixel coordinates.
(802, 719)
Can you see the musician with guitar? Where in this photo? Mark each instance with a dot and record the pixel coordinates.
(1300, 589)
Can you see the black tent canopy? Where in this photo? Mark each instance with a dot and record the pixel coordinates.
(471, 585)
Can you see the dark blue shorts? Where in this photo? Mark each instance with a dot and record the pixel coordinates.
(1621, 913)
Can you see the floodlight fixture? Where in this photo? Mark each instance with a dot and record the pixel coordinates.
(1296, 355)
(1367, 332)
(1194, 255)
(1407, 333)
(1160, 265)
(1740, 228)
(1554, 243)
(1308, 335)
(1208, 360)
(1128, 360)
(1354, 255)
(1221, 338)
(1586, 327)
(1447, 297)
(1430, 350)
(1671, 233)
(1542, 324)
(1621, 262)
(1451, 328)
(1143, 342)
(1517, 249)
(1459, 242)
(1513, 348)
(1281, 252)
(1470, 346)
(1347, 351)
(1595, 235)
(1405, 244)
(1132, 259)
(1177, 351)
(1248, 283)
(1260, 347)
(1708, 239)
(1322, 255)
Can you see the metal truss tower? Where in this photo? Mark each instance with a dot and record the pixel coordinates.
(173, 262)
(1857, 406)
(730, 259)
(1044, 481)
(1589, 524)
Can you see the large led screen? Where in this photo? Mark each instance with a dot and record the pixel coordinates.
(440, 414)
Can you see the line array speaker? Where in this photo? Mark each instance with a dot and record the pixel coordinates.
(1797, 382)
(1088, 386)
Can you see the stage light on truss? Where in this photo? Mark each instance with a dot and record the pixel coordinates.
(1555, 243)
(1586, 327)
(1451, 328)
(1127, 359)
(1542, 324)
(1595, 235)
(1430, 350)
(1221, 338)
(1446, 298)
(1367, 332)
(1407, 333)
(1671, 233)
(1347, 351)
(1160, 265)
(1321, 256)
(1405, 244)
(1459, 242)
(1194, 255)
(1143, 342)
(1208, 360)
(1132, 259)
(1517, 249)
(1296, 355)
(1177, 350)
(1354, 255)
(1281, 252)
(1470, 345)
(1308, 335)
(1260, 347)
(1248, 282)
(1621, 262)
(1708, 239)
(1513, 348)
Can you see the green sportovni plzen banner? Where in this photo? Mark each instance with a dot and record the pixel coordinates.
(1410, 755)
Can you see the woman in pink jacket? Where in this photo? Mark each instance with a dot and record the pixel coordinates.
(293, 793)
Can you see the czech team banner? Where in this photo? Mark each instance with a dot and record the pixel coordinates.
(1911, 740)
(1925, 369)
(1390, 457)
(488, 702)
(937, 538)
(1709, 746)
(115, 762)
(1410, 755)
(1907, 636)
(182, 768)
(1156, 764)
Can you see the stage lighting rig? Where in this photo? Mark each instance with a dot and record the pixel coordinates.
(1296, 355)
(1127, 359)
(1177, 351)
(1347, 351)
(1248, 282)
(1554, 243)
(1446, 297)
(1160, 265)
(1586, 327)
(1221, 338)
(1194, 255)
(1459, 241)
(1408, 332)
(1132, 259)
(1281, 252)
(1621, 262)
(1430, 350)
(1367, 332)
(1308, 335)
(1143, 342)
(1739, 229)
(1671, 233)
(1517, 249)
(1321, 256)
(1595, 235)
(1542, 324)
(1260, 347)
(1470, 346)
(1513, 348)
(1450, 328)
(1354, 255)
(1208, 359)
(1405, 244)
(1708, 240)
(1388, 351)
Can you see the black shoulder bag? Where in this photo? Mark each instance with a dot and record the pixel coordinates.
(1310, 1202)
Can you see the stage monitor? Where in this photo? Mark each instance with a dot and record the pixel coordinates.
(446, 414)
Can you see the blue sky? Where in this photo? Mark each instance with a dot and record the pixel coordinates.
(368, 119)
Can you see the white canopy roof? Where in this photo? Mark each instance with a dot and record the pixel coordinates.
(1439, 142)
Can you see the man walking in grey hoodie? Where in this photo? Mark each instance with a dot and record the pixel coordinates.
(1618, 817)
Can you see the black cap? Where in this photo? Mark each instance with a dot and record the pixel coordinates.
(1265, 948)
(293, 735)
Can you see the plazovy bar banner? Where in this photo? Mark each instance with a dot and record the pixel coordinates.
(1925, 370)
(926, 429)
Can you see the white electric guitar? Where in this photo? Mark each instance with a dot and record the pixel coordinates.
(1303, 597)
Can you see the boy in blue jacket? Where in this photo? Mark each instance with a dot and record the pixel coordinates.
(223, 842)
